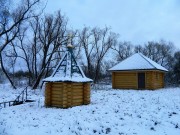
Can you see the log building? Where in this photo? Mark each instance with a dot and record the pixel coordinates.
(138, 72)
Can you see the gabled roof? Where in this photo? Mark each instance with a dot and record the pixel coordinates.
(68, 70)
(137, 62)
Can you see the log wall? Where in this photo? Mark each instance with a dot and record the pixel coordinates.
(66, 94)
(124, 80)
(158, 80)
(129, 79)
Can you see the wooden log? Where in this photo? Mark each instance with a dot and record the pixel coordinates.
(57, 92)
(69, 95)
(77, 84)
(57, 99)
(57, 89)
(77, 93)
(86, 93)
(77, 104)
(48, 94)
(64, 103)
(57, 83)
(78, 87)
(56, 103)
(77, 99)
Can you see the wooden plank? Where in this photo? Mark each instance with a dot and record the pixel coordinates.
(77, 88)
(78, 97)
(57, 96)
(119, 81)
(77, 100)
(57, 89)
(57, 83)
(86, 93)
(57, 99)
(77, 91)
(125, 83)
(56, 103)
(77, 84)
(57, 92)
(56, 86)
(125, 77)
(125, 80)
(77, 104)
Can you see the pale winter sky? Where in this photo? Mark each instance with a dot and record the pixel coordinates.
(137, 21)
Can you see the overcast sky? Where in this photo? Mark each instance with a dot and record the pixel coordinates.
(137, 21)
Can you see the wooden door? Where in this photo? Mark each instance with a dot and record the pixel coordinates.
(141, 80)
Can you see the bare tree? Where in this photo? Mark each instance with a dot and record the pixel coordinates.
(123, 50)
(96, 43)
(160, 52)
(39, 54)
(10, 25)
(86, 43)
(40, 44)
(52, 35)
(138, 49)
(103, 41)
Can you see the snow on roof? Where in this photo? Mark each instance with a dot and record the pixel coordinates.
(68, 70)
(137, 62)
(67, 79)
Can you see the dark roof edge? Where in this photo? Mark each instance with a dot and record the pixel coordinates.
(153, 69)
(70, 81)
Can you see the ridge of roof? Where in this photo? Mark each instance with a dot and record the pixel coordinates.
(137, 61)
(144, 57)
(153, 63)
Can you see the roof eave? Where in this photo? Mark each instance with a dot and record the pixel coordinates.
(140, 70)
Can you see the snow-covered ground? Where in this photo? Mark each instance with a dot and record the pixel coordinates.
(113, 112)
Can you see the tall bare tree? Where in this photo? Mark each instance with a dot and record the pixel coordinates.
(96, 43)
(48, 36)
(86, 43)
(11, 21)
(104, 39)
(123, 50)
(160, 52)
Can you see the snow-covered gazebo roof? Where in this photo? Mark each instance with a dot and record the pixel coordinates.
(68, 69)
(137, 62)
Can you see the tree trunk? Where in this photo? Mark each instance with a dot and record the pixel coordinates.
(38, 79)
(6, 74)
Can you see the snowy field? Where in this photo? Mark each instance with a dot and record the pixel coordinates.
(113, 112)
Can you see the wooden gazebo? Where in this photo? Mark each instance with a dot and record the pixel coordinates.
(67, 86)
